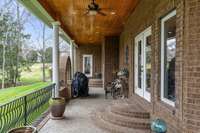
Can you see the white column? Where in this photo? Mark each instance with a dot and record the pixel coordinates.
(55, 57)
(72, 57)
(75, 64)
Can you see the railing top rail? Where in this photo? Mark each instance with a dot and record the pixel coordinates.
(15, 99)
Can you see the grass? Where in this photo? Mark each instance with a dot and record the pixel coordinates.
(9, 94)
(13, 115)
(34, 75)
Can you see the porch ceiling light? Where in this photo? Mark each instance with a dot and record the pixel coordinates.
(112, 13)
(74, 13)
(92, 12)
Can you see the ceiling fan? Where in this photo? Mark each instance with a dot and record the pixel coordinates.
(94, 9)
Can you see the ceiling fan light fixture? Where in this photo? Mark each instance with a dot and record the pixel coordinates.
(74, 13)
(92, 12)
(112, 13)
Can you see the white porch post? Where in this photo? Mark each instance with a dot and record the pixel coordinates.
(75, 64)
(72, 57)
(55, 57)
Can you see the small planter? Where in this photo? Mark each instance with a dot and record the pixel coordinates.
(57, 108)
(158, 126)
(123, 73)
(26, 129)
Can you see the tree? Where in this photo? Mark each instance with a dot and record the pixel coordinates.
(32, 56)
(43, 53)
(48, 54)
(12, 39)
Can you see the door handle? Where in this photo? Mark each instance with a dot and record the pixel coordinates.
(142, 68)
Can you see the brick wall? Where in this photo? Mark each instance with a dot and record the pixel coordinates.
(191, 83)
(95, 50)
(110, 58)
(64, 67)
(149, 13)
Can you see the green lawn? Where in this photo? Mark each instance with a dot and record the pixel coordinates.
(9, 94)
(34, 75)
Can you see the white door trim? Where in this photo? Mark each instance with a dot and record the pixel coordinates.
(91, 68)
(141, 91)
(147, 95)
(138, 90)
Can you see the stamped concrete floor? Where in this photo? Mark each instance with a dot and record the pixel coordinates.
(78, 115)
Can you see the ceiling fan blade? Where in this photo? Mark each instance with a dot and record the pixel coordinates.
(86, 13)
(101, 13)
(106, 9)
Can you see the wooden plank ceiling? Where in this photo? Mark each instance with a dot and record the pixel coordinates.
(87, 29)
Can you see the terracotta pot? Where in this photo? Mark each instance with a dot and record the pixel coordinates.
(63, 92)
(26, 129)
(57, 107)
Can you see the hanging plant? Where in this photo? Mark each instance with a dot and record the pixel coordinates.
(123, 72)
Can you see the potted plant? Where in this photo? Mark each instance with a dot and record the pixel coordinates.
(26, 129)
(123, 72)
(57, 107)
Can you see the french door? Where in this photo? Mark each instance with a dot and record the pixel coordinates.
(143, 64)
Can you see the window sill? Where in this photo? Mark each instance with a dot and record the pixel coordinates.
(171, 109)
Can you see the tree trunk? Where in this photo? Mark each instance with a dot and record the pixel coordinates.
(3, 67)
(18, 47)
(4, 60)
(43, 53)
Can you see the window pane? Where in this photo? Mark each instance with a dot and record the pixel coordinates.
(87, 65)
(126, 55)
(139, 64)
(170, 58)
(148, 63)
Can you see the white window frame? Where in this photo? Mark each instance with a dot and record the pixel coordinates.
(163, 20)
(91, 69)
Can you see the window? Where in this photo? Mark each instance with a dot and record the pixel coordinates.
(126, 55)
(168, 58)
(87, 65)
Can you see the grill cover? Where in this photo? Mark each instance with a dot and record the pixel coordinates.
(80, 85)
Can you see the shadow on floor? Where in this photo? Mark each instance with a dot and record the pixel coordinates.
(92, 96)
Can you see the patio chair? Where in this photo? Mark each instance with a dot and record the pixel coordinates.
(108, 89)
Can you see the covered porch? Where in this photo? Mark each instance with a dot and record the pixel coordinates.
(157, 41)
(78, 115)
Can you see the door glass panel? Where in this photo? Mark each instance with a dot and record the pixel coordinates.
(143, 64)
(139, 64)
(148, 63)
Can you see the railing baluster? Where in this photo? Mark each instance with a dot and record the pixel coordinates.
(26, 109)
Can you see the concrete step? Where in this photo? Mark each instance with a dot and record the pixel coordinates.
(125, 121)
(113, 128)
(130, 110)
(95, 83)
(123, 116)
